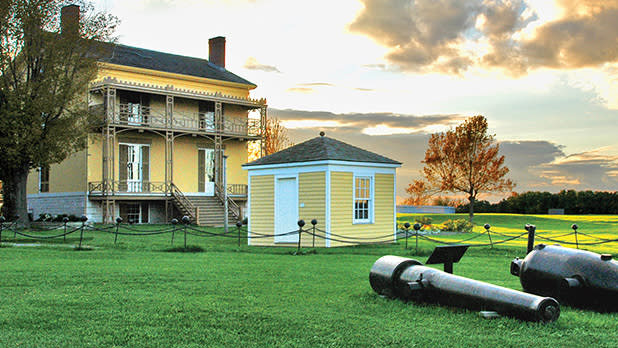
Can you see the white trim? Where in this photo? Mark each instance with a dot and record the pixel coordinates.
(322, 162)
(320, 168)
(248, 210)
(327, 213)
(371, 212)
(296, 204)
(395, 208)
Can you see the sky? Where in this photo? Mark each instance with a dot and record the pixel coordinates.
(385, 74)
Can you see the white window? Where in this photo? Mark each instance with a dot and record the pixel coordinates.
(363, 199)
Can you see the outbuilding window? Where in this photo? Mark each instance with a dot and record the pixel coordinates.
(363, 197)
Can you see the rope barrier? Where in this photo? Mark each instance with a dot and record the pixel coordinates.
(125, 230)
(357, 238)
(472, 245)
(47, 237)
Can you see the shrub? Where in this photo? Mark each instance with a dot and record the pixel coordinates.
(44, 217)
(460, 225)
(423, 220)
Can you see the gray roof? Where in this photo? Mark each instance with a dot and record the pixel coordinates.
(160, 61)
(320, 149)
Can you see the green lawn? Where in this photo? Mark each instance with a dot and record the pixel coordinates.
(135, 294)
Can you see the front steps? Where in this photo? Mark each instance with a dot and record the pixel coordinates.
(210, 211)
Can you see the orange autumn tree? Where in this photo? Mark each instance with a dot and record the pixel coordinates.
(275, 139)
(465, 160)
(419, 193)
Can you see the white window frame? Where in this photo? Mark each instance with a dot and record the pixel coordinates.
(41, 181)
(370, 207)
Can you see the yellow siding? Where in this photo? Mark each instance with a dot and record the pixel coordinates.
(185, 159)
(162, 79)
(237, 156)
(67, 176)
(312, 193)
(185, 163)
(262, 208)
(342, 206)
(95, 157)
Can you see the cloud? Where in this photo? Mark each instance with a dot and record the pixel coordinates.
(253, 64)
(543, 166)
(305, 90)
(312, 84)
(361, 122)
(451, 36)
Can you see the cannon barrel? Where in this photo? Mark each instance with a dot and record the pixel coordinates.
(408, 279)
(575, 277)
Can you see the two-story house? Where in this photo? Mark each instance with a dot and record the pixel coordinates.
(173, 131)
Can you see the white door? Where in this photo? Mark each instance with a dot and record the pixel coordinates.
(286, 210)
(206, 168)
(134, 169)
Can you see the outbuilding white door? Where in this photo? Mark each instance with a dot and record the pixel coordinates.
(286, 210)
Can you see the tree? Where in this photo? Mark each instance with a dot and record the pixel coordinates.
(419, 193)
(45, 67)
(465, 160)
(275, 139)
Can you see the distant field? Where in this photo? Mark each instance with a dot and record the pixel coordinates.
(557, 227)
(135, 294)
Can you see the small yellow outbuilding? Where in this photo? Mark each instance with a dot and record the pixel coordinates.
(348, 190)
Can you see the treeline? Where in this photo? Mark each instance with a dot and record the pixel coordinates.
(573, 202)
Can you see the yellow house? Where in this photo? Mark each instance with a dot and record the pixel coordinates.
(173, 131)
(348, 190)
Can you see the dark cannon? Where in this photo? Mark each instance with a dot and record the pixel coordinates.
(408, 279)
(575, 277)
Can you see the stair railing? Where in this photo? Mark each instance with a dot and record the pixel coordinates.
(233, 207)
(184, 204)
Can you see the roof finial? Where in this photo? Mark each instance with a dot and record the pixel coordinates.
(322, 133)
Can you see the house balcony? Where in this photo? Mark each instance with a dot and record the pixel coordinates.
(144, 189)
(144, 117)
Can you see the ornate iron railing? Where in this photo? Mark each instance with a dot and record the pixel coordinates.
(126, 187)
(144, 116)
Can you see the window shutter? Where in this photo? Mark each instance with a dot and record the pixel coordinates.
(201, 170)
(123, 159)
(145, 168)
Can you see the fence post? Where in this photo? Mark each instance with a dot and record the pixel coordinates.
(84, 218)
(417, 227)
(118, 221)
(406, 226)
(186, 220)
(531, 230)
(314, 222)
(300, 223)
(238, 226)
(2, 220)
(174, 223)
(65, 220)
(14, 229)
(487, 227)
(575, 227)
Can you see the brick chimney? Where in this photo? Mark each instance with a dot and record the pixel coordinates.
(216, 51)
(69, 19)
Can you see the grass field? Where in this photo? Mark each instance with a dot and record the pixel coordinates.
(136, 294)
